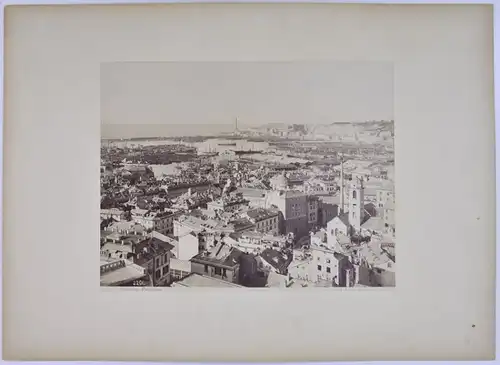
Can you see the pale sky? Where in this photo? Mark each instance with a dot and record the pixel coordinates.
(188, 98)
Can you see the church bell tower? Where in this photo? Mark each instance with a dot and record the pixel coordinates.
(356, 205)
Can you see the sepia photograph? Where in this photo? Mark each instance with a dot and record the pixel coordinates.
(260, 175)
(256, 146)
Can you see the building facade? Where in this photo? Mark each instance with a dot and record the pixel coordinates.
(319, 187)
(148, 252)
(221, 262)
(384, 196)
(294, 211)
(113, 213)
(227, 204)
(312, 210)
(265, 220)
(328, 265)
(162, 222)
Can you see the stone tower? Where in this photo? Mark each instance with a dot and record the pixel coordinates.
(356, 204)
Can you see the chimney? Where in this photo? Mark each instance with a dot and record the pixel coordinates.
(348, 282)
(356, 275)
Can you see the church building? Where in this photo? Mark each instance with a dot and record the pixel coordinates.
(356, 221)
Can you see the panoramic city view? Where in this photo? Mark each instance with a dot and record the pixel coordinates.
(260, 205)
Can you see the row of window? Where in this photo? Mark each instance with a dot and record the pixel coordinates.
(269, 229)
(161, 272)
(114, 265)
(178, 274)
(328, 269)
(267, 222)
(217, 271)
(327, 260)
(381, 194)
(321, 188)
(155, 223)
(161, 260)
(162, 224)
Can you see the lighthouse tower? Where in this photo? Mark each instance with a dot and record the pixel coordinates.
(236, 130)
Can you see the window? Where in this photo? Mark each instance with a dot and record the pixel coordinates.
(319, 267)
(157, 274)
(354, 194)
(206, 268)
(218, 271)
(157, 261)
(327, 261)
(318, 258)
(328, 270)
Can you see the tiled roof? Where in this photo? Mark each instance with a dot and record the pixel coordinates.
(221, 254)
(374, 224)
(261, 213)
(276, 259)
(344, 218)
(330, 199)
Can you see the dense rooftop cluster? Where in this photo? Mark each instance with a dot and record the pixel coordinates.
(247, 213)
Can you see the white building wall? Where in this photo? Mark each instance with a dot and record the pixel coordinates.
(188, 247)
(336, 225)
(181, 229)
(300, 270)
(324, 266)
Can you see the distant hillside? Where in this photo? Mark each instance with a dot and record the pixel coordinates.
(272, 125)
(347, 127)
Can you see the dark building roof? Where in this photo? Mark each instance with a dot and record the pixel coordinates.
(152, 247)
(261, 214)
(158, 244)
(220, 255)
(107, 222)
(241, 224)
(344, 217)
(277, 260)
